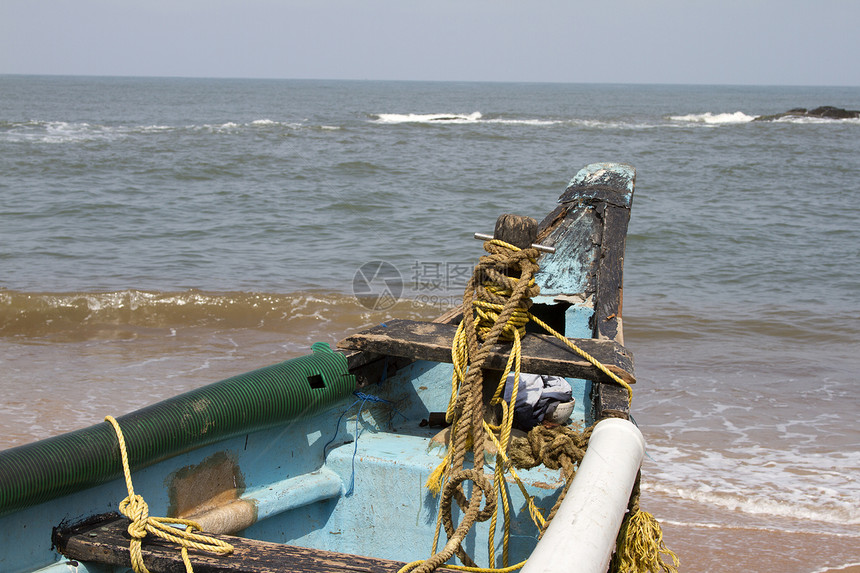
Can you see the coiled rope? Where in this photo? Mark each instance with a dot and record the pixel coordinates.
(135, 508)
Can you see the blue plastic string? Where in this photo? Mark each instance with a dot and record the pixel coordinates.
(363, 399)
(337, 428)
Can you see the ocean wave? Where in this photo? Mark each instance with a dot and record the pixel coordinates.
(817, 120)
(780, 530)
(739, 117)
(709, 118)
(837, 568)
(656, 320)
(83, 315)
(761, 481)
(59, 132)
(536, 122)
(477, 118)
(54, 132)
(428, 117)
(233, 126)
(761, 505)
(460, 118)
(617, 124)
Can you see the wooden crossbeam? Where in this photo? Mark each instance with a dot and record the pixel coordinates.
(105, 540)
(541, 354)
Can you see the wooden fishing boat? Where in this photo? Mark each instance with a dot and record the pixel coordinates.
(320, 463)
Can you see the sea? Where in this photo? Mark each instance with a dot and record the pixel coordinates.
(159, 234)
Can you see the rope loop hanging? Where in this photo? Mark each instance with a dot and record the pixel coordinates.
(136, 509)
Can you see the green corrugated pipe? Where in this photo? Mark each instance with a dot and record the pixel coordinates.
(47, 469)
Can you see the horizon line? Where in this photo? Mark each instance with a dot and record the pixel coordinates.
(389, 80)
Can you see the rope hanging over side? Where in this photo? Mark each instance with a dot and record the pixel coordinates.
(135, 508)
(639, 546)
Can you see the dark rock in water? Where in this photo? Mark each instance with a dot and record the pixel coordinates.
(825, 112)
(835, 112)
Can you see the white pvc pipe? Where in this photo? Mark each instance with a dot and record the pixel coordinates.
(581, 536)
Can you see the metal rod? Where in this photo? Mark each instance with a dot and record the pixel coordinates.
(542, 248)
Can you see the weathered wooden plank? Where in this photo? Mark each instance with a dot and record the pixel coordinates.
(551, 221)
(542, 354)
(370, 368)
(596, 206)
(106, 541)
(610, 285)
(572, 268)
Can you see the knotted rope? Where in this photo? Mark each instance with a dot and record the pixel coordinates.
(557, 447)
(135, 508)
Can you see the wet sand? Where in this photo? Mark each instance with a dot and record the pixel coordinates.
(723, 541)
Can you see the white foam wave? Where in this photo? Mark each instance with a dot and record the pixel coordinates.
(758, 504)
(614, 124)
(238, 127)
(538, 122)
(428, 117)
(761, 481)
(702, 525)
(221, 127)
(477, 117)
(586, 123)
(833, 569)
(271, 123)
(807, 120)
(709, 118)
(54, 132)
(156, 128)
(60, 132)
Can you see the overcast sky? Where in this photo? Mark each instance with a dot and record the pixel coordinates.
(765, 42)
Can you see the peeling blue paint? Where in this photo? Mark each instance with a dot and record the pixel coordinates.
(615, 175)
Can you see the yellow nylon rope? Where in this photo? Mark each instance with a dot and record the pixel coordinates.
(134, 508)
(488, 313)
